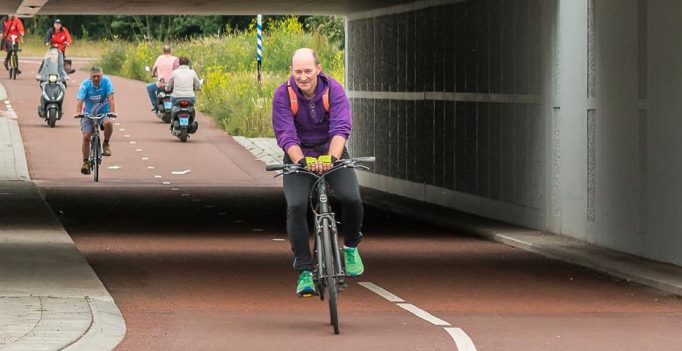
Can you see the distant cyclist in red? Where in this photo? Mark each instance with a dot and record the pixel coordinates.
(11, 25)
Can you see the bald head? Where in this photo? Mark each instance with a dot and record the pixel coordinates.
(305, 54)
(166, 49)
(305, 67)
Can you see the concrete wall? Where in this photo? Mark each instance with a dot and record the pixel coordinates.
(558, 115)
(448, 98)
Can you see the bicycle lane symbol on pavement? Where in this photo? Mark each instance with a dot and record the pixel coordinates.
(461, 339)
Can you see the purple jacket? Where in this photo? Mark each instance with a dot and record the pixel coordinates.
(311, 127)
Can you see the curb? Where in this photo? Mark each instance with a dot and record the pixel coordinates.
(662, 276)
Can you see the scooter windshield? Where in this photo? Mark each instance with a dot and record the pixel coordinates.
(53, 64)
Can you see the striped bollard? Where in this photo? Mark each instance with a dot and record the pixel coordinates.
(259, 49)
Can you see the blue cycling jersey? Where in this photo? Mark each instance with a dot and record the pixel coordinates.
(95, 99)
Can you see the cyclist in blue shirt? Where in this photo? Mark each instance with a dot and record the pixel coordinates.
(98, 95)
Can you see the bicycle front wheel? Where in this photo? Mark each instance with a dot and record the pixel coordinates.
(332, 285)
(95, 156)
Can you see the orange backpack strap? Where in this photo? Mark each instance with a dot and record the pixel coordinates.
(293, 100)
(325, 100)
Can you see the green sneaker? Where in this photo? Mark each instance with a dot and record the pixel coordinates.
(354, 266)
(305, 286)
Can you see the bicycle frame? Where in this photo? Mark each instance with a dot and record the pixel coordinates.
(323, 216)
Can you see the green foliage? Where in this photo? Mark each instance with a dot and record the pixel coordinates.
(231, 94)
(331, 27)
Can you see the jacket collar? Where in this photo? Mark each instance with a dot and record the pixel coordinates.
(322, 84)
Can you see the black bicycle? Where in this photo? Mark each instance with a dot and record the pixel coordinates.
(13, 49)
(95, 158)
(329, 271)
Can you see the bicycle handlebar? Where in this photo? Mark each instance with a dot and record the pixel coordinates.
(343, 163)
(97, 116)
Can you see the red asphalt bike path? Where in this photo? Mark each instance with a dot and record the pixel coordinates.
(193, 264)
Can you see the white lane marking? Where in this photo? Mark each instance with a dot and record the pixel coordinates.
(7, 102)
(133, 142)
(175, 189)
(166, 183)
(117, 123)
(150, 167)
(158, 176)
(127, 135)
(185, 195)
(145, 158)
(381, 292)
(138, 150)
(257, 230)
(462, 340)
(122, 130)
(208, 206)
(423, 314)
(114, 167)
(181, 172)
(278, 239)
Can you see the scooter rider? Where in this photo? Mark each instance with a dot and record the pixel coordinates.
(163, 69)
(183, 82)
(52, 65)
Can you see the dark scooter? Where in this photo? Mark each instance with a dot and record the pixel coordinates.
(182, 119)
(53, 86)
(163, 102)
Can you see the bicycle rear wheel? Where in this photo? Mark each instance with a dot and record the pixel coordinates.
(329, 270)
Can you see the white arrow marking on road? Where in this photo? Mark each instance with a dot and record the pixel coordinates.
(114, 167)
(181, 172)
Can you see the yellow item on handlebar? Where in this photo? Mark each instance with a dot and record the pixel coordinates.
(310, 161)
(325, 159)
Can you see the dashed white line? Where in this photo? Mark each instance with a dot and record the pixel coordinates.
(462, 340)
(381, 292)
(127, 135)
(158, 176)
(133, 143)
(145, 158)
(181, 172)
(423, 314)
(166, 183)
(149, 167)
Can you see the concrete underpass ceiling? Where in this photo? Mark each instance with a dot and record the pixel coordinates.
(28, 8)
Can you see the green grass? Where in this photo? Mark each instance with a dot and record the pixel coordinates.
(33, 46)
(231, 95)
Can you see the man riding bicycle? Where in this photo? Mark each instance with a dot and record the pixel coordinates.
(11, 26)
(98, 94)
(311, 119)
(163, 69)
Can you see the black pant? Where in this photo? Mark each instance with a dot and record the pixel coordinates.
(297, 188)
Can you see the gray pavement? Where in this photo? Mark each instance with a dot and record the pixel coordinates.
(663, 276)
(50, 298)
